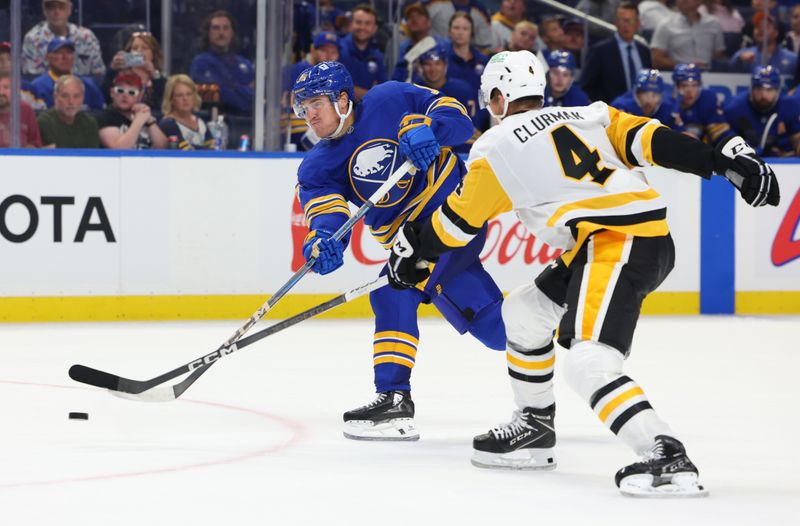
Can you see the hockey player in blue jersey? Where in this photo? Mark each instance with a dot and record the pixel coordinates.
(362, 144)
(699, 108)
(647, 99)
(561, 89)
(432, 71)
(767, 119)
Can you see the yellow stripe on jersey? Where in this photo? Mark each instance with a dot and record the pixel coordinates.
(531, 365)
(479, 198)
(608, 249)
(449, 102)
(647, 144)
(618, 401)
(326, 204)
(617, 131)
(396, 335)
(602, 203)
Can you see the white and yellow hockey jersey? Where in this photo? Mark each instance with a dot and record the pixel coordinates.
(567, 172)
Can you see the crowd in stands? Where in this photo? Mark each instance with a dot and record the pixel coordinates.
(73, 99)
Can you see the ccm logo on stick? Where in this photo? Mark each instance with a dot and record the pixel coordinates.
(94, 206)
(212, 357)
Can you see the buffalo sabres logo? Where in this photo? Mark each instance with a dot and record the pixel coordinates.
(371, 164)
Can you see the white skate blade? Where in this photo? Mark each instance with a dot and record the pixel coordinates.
(399, 429)
(527, 459)
(680, 485)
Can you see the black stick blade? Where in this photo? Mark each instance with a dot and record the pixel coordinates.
(87, 375)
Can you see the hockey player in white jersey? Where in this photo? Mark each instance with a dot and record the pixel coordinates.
(571, 174)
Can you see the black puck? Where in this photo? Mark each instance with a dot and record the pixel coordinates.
(79, 416)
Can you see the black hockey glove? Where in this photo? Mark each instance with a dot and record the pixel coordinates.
(405, 269)
(753, 177)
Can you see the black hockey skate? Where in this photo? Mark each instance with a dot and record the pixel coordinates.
(666, 471)
(389, 417)
(524, 443)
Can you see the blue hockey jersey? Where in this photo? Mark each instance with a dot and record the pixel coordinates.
(574, 96)
(667, 112)
(750, 124)
(351, 168)
(705, 119)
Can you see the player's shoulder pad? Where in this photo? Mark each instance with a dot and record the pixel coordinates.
(316, 167)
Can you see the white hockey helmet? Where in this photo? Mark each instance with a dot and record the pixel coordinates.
(516, 74)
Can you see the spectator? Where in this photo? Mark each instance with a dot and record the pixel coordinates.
(28, 128)
(60, 61)
(757, 6)
(129, 124)
(561, 89)
(5, 57)
(432, 66)
(324, 48)
(525, 37)
(792, 41)
(359, 54)
(780, 58)
(647, 99)
(726, 14)
(688, 37)
(767, 119)
(510, 14)
(699, 108)
(26, 88)
(441, 11)
(417, 27)
(464, 62)
(56, 24)
(234, 74)
(602, 9)
(181, 101)
(66, 125)
(142, 54)
(653, 12)
(574, 38)
(552, 34)
(612, 64)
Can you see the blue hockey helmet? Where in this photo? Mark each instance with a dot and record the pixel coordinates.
(326, 78)
(686, 72)
(437, 52)
(649, 80)
(561, 59)
(765, 77)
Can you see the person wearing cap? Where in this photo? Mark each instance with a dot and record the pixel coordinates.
(28, 127)
(767, 119)
(220, 65)
(417, 27)
(612, 64)
(60, 61)
(561, 89)
(129, 124)
(66, 125)
(688, 37)
(359, 53)
(441, 11)
(432, 70)
(647, 99)
(574, 38)
(464, 61)
(765, 32)
(699, 108)
(324, 48)
(88, 58)
(510, 14)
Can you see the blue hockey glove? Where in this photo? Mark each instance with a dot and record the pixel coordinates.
(748, 172)
(417, 141)
(405, 268)
(328, 251)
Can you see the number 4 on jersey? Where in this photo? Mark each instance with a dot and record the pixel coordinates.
(577, 160)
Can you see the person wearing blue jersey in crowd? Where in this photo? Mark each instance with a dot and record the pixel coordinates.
(324, 48)
(417, 27)
(699, 108)
(561, 89)
(60, 60)
(432, 70)
(359, 54)
(234, 74)
(362, 145)
(767, 119)
(647, 99)
(464, 61)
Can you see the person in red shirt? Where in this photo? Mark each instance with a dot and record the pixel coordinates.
(28, 127)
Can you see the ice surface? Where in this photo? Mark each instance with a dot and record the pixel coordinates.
(257, 440)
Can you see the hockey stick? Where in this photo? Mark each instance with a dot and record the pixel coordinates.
(765, 133)
(153, 390)
(91, 376)
(423, 46)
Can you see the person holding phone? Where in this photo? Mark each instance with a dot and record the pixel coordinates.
(141, 55)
